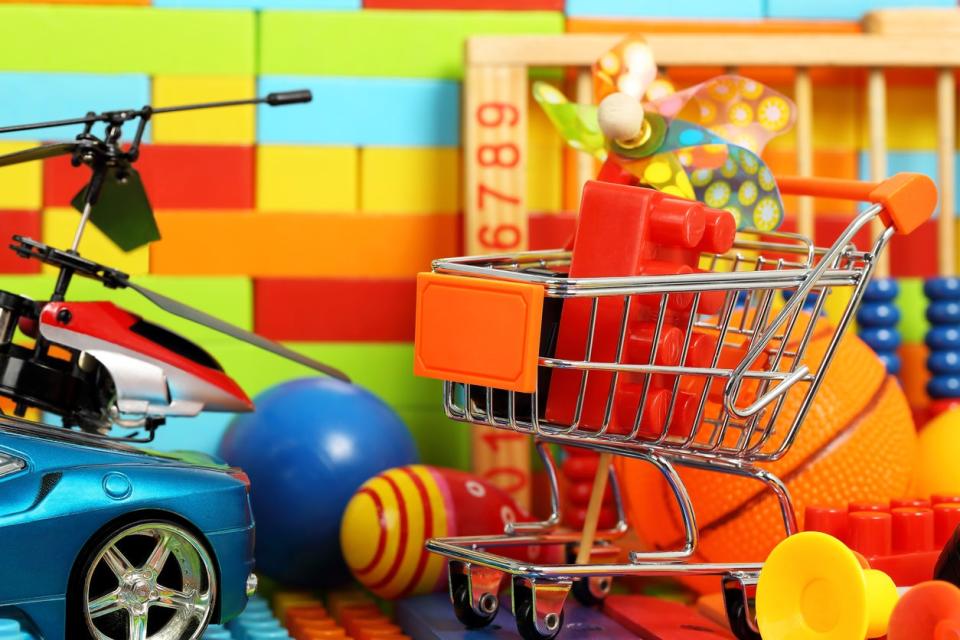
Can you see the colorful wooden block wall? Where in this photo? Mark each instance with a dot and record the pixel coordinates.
(308, 223)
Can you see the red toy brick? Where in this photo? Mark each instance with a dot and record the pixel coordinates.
(658, 619)
(624, 230)
(176, 177)
(348, 310)
(902, 541)
(461, 5)
(914, 255)
(25, 223)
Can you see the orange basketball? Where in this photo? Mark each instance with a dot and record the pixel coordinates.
(857, 442)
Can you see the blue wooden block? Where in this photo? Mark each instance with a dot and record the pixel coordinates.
(657, 9)
(363, 111)
(35, 97)
(845, 10)
(914, 161)
(431, 617)
(347, 5)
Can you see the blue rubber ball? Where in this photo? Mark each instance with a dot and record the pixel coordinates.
(307, 448)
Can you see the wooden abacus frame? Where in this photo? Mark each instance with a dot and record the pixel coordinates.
(495, 132)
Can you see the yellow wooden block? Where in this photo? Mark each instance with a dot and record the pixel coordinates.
(911, 118)
(410, 180)
(837, 119)
(21, 185)
(230, 125)
(544, 163)
(307, 178)
(59, 226)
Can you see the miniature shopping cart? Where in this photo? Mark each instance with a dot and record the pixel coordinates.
(488, 327)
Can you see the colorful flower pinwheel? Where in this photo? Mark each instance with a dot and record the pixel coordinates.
(700, 143)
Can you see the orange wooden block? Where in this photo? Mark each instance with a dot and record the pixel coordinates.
(594, 25)
(484, 332)
(257, 244)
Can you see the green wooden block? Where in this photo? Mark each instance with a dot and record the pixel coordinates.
(385, 369)
(228, 298)
(95, 39)
(913, 311)
(441, 441)
(411, 44)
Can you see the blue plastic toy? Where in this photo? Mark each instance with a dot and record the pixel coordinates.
(308, 446)
(99, 537)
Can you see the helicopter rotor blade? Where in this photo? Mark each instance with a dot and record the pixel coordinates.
(177, 308)
(38, 153)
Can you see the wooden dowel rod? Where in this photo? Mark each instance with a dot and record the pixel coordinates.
(585, 166)
(946, 143)
(877, 122)
(593, 508)
(803, 95)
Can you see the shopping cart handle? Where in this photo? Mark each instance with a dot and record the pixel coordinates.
(732, 390)
(908, 199)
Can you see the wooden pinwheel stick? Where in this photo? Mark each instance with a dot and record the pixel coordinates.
(593, 508)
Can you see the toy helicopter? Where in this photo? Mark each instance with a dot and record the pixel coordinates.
(94, 364)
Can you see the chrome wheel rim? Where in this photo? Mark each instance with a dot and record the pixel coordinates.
(151, 581)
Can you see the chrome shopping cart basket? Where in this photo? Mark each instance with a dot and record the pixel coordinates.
(488, 327)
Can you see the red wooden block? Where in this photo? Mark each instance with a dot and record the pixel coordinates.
(658, 619)
(551, 230)
(315, 310)
(915, 255)
(25, 223)
(483, 5)
(175, 177)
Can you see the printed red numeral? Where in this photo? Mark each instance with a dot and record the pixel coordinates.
(498, 155)
(503, 237)
(509, 479)
(483, 190)
(492, 439)
(499, 111)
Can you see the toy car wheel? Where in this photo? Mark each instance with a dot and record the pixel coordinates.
(526, 616)
(591, 591)
(467, 615)
(146, 579)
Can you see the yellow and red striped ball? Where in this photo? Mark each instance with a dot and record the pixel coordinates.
(392, 515)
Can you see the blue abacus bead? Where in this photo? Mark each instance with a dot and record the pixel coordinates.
(944, 363)
(872, 314)
(881, 290)
(944, 312)
(881, 338)
(943, 338)
(939, 387)
(891, 361)
(942, 288)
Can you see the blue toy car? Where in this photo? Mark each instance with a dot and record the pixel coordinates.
(105, 541)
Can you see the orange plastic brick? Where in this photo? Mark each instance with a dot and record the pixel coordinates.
(474, 331)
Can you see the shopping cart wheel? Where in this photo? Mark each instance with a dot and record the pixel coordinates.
(538, 607)
(474, 591)
(736, 586)
(592, 591)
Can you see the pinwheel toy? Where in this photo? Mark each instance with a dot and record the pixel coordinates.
(700, 143)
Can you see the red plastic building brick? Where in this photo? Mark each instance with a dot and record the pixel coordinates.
(461, 5)
(625, 230)
(25, 223)
(903, 538)
(335, 310)
(176, 177)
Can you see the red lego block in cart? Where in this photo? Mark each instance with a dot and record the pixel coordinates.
(902, 538)
(625, 230)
